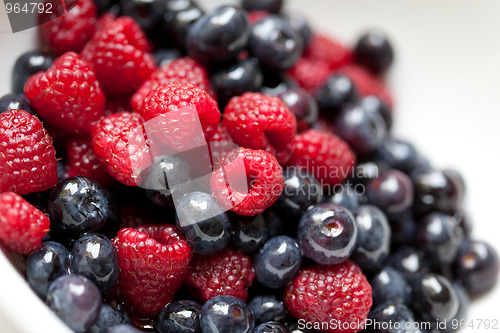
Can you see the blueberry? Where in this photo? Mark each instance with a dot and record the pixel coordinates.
(410, 262)
(392, 192)
(277, 83)
(277, 262)
(219, 35)
(390, 285)
(374, 51)
(271, 6)
(15, 101)
(477, 266)
(147, 13)
(391, 317)
(363, 130)
(463, 308)
(178, 18)
(299, 23)
(179, 316)
(108, 316)
(376, 105)
(346, 197)
(274, 42)
(327, 233)
(61, 171)
(302, 105)
(45, 265)
(301, 191)
(398, 154)
(464, 222)
(366, 171)
(78, 205)
(204, 223)
(75, 300)
(226, 314)
(248, 233)
(164, 56)
(123, 328)
(237, 78)
(28, 64)
(267, 308)
(403, 228)
(271, 327)
(95, 257)
(295, 326)
(275, 224)
(374, 237)
(106, 5)
(335, 93)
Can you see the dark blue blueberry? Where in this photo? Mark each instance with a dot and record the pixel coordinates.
(223, 314)
(15, 101)
(374, 237)
(376, 105)
(180, 316)
(75, 300)
(106, 5)
(327, 233)
(61, 171)
(277, 262)
(302, 105)
(347, 196)
(249, 233)
(463, 309)
(204, 223)
(403, 228)
(28, 64)
(147, 13)
(366, 171)
(178, 18)
(398, 154)
(392, 192)
(374, 51)
(363, 130)
(299, 23)
(275, 225)
(267, 308)
(275, 43)
(271, 327)
(477, 266)
(391, 317)
(237, 78)
(124, 328)
(219, 35)
(271, 6)
(464, 222)
(390, 285)
(108, 316)
(421, 165)
(46, 265)
(95, 257)
(410, 262)
(301, 191)
(335, 93)
(277, 83)
(78, 205)
(165, 56)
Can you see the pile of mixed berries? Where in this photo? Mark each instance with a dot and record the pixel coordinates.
(337, 222)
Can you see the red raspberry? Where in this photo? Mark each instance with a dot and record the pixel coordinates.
(255, 181)
(334, 294)
(22, 226)
(154, 261)
(325, 49)
(120, 143)
(180, 70)
(324, 155)
(71, 31)
(82, 160)
(221, 135)
(227, 273)
(27, 157)
(119, 54)
(67, 95)
(310, 74)
(259, 121)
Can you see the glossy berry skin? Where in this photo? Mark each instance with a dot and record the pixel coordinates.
(226, 314)
(374, 51)
(75, 300)
(403, 228)
(299, 23)
(147, 14)
(398, 154)
(410, 262)
(374, 104)
(27, 64)
(463, 309)
(179, 16)
(267, 308)
(219, 35)
(78, 205)
(392, 192)
(123, 328)
(277, 262)
(347, 197)
(477, 266)
(95, 257)
(388, 314)
(249, 233)
(335, 93)
(271, 327)
(180, 316)
(203, 222)
(271, 6)
(327, 234)
(15, 101)
(275, 43)
(108, 317)
(389, 285)
(46, 265)
(374, 237)
(302, 105)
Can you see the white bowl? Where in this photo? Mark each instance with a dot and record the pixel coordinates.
(446, 83)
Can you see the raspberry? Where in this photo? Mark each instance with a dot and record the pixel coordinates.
(263, 177)
(119, 54)
(180, 70)
(27, 157)
(334, 294)
(71, 31)
(221, 135)
(324, 155)
(325, 49)
(259, 121)
(310, 74)
(120, 143)
(82, 160)
(154, 261)
(22, 226)
(67, 95)
(227, 273)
